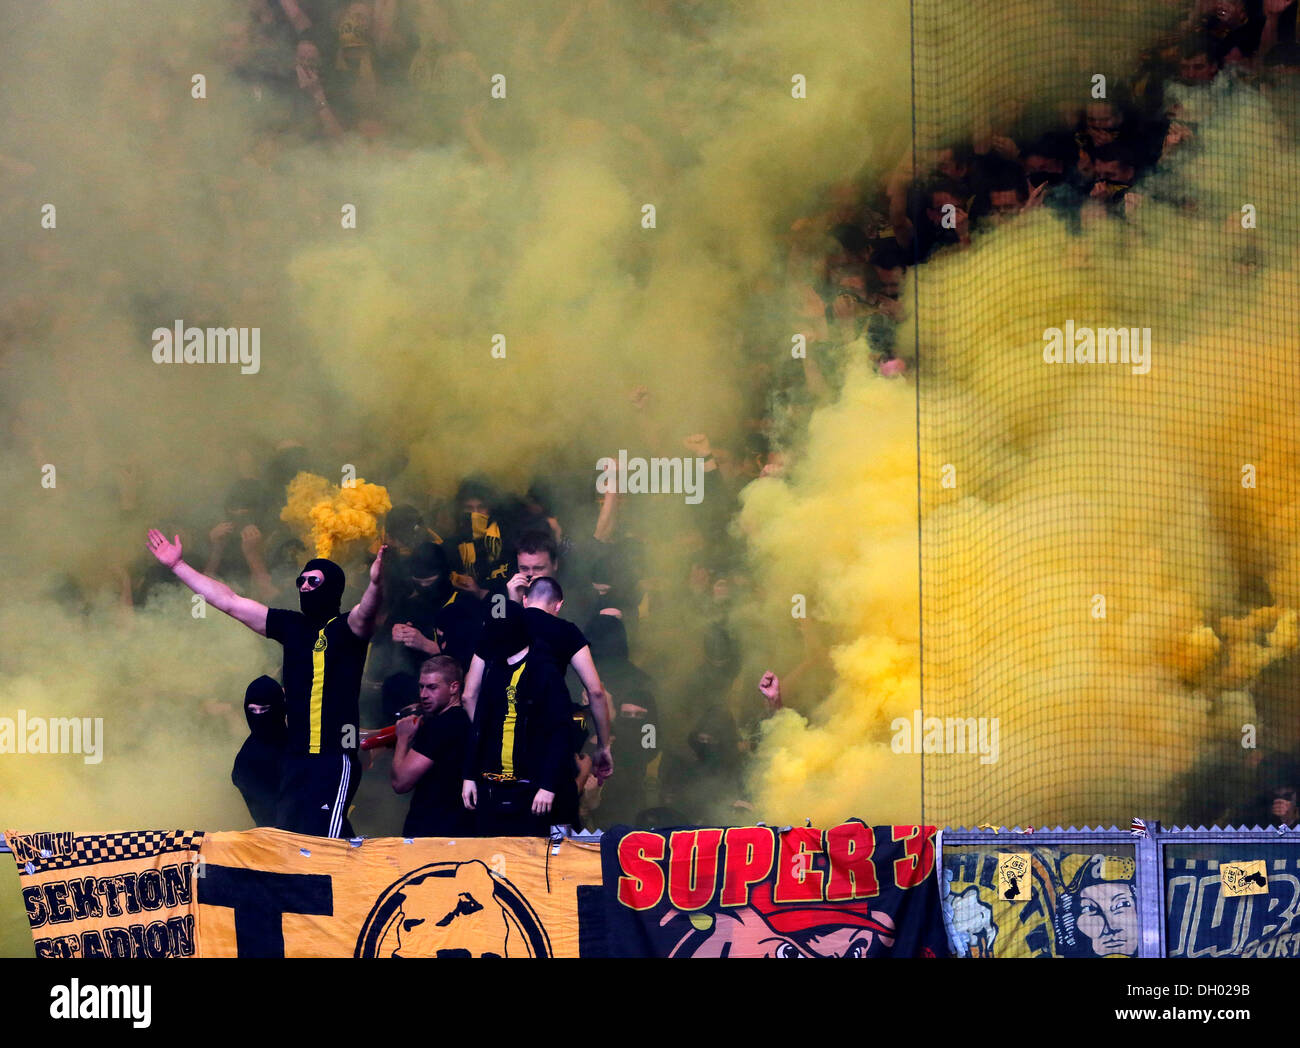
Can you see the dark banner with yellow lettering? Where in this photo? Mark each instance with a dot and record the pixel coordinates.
(756, 891)
(109, 894)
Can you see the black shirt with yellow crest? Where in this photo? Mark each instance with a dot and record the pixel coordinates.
(322, 681)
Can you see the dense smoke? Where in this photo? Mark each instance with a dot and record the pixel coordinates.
(502, 298)
(1170, 495)
(375, 342)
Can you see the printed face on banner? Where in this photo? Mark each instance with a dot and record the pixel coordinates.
(1107, 917)
(766, 929)
(453, 909)
(1063, 905)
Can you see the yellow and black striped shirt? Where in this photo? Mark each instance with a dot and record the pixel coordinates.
(322, 681)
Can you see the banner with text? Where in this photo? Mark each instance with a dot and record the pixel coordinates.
(757, 891)
(269, 893)
(1232, 909)
(108, 894)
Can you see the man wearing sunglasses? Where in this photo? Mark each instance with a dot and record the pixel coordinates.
(324, 653)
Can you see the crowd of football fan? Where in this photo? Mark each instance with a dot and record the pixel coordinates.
(475, 612)
(497, 640)
(1103, 158)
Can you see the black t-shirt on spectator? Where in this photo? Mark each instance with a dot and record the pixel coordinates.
(461, 622)
(436, 807)
(322, 681)
(555, 638)
(523, 716)
(419, 609)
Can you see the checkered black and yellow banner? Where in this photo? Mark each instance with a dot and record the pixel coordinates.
(109, 894)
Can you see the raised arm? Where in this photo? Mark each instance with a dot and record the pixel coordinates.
(608, 518)
(769, 686)
(1273, 10)
(361, 619)
(250, 539)
(585, 667)
(218, 594)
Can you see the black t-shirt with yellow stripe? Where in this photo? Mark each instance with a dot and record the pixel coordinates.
(522, 725)
(322, 681)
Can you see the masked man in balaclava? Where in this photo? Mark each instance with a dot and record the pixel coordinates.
(324, 653)
(257, 765)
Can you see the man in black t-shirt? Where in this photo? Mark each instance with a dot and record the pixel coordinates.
(324, 654)
(551, 635)
(430, 755)
(519, 771)
(562, 645)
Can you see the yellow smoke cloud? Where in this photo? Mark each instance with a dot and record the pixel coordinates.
(842, 533)
(331, 515)
(1108, 559)
(1067, 485)
(376, 341)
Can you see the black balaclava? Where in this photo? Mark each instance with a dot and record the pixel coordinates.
(607, 637)
(322, 604)
(268, 726)
(429, 560)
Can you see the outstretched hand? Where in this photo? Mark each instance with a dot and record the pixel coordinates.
(168, 553)
(250, 539)
(377, 568)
